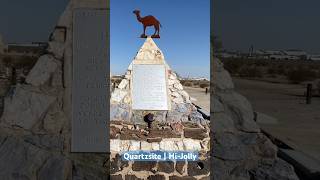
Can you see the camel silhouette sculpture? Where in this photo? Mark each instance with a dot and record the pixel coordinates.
(148, 21)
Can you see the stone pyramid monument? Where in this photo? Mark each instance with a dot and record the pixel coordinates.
(180, 108)
(151, 86)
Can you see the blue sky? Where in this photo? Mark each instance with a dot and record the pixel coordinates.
(185, 34)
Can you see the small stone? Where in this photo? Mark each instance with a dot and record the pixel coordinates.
(155, 146)
(156, 139)
(196, 168)
(168, 145)
(43, 70)
(185, 95)
(117, 164)
(175, 94)
(180, 145)
(118, 95)
(173, 76)
(115, 145)
(123, 84)
(178, 86)
(146, 146)
(57, 49)
(165, 166)
(191, 144)
(134, 145)
(170, 82)
(180, 167)
(130, 67)
(114, 132)
(178, 100)
(124, 145)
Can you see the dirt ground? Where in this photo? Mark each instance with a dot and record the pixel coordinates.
(298, 123)
(199, 97)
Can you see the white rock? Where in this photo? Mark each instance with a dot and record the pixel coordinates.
(168, 145)
(42, 71)
(115, 145)
(178, 100)
(146, 146)
(56, 48)
(175, 94)
(178, 86)
(117, 95)
(191, 145)
(134, 145)
(123, 84)
(173, 76)
(155, 146)
(26, 107)
(180, 145)
(185, 95)
(124, 145)
(130, 67)
(170, 82)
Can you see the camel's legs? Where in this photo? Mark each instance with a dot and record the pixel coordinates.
(157, 29)
(144, 30)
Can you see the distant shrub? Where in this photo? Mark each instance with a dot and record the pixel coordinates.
(204, 84)
(189, 84)
(250, 72)
(301, 74)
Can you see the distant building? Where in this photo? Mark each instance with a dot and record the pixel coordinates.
(32, 49)
(314, 57)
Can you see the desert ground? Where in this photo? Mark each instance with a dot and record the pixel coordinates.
(199, 97)
(297, 124)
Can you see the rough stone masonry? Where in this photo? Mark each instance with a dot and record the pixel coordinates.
(181, 127)
(35, 128)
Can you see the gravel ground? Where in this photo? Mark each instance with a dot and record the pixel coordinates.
(298, 123)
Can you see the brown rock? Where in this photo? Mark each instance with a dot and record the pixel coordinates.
(128, 134)
(165, 166)
(157, 139)
(117, 164)
(143, 165)
(163, 133)
(195, 133)
(156, 177)
(181, 178)
(116, 177)
(179, 166)
(132, 177)
(114, 132)
(196, 168)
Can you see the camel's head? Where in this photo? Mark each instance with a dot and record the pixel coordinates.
(136, 12)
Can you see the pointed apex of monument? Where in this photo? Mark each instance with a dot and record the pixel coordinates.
(149, 53)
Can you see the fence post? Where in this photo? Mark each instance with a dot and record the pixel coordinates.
(309, 93)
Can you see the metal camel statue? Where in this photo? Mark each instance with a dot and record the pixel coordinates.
(148, 21)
